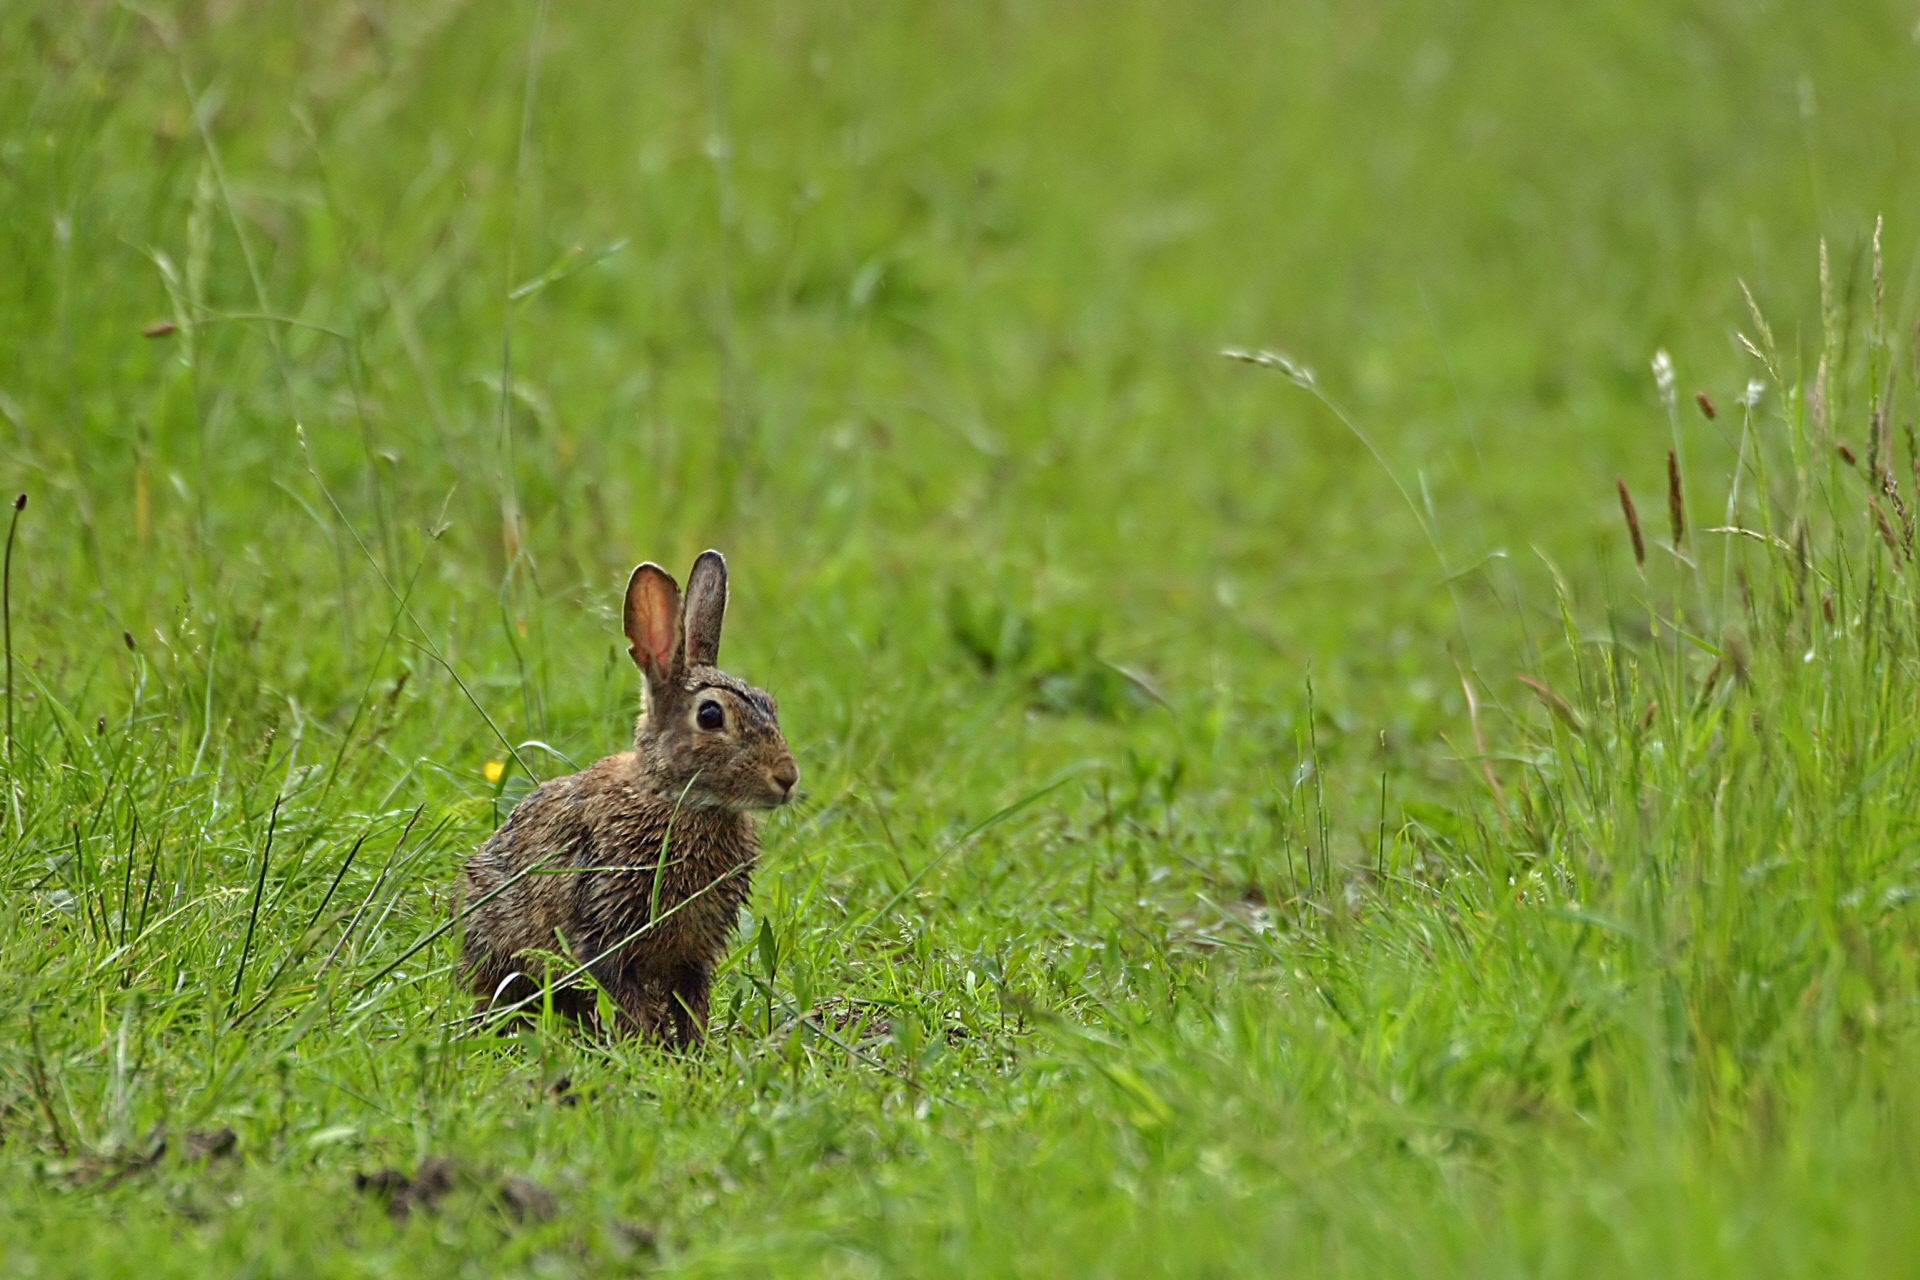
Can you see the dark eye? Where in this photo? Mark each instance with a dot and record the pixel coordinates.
(710, 716)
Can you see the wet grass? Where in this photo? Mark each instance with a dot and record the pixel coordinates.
(1187, 882)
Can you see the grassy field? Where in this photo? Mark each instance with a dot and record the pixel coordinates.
(1188, 881)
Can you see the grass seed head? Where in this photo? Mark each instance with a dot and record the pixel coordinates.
(1819, 402)
(1879, 284)
(1676, 500)
(1706, 405)
(1285, 364)
(1663, 379)
(1913, 456)
(1891, 489)
(1633, 523)
(1886, 530)
(1829, 317)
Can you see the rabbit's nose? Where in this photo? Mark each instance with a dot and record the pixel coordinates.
(785, 775)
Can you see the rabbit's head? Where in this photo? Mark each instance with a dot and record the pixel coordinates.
(706, 739)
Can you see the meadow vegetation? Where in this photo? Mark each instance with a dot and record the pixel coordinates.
(1188, 880)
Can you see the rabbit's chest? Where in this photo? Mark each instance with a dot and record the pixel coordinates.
(677, 894)
(702, 916)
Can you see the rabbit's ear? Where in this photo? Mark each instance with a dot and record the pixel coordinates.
(706, 608)
(653, 623)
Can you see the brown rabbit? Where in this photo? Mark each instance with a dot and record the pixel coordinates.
(639, 864)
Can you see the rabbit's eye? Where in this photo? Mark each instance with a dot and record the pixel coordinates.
(710, 716)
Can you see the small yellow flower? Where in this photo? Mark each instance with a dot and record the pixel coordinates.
(494, 770)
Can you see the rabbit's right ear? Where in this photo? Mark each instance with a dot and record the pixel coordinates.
(653, 624)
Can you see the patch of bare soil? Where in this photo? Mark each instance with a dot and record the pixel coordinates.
(109, 1169)
(521, 1199)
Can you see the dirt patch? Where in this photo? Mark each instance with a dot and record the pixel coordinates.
(521, 1199)
(196, 1147)
(424, 1190)
(209, 1146)
(852, 1019)
(526, 1200)
(561, 1093)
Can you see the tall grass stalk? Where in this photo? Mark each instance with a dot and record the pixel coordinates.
(6, 616)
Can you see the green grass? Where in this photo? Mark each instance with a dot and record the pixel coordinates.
(1160, 903)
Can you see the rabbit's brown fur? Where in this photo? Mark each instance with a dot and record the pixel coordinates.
(587, 849)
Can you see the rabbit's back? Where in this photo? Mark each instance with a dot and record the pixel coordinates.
(508, 905)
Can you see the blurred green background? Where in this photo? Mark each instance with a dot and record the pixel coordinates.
(934, 292)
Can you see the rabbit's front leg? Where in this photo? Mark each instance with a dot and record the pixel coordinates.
(636, 1010)
(687, 1001)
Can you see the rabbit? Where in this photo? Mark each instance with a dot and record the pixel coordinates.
(636, 867)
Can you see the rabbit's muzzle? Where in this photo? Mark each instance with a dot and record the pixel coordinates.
(784, 776)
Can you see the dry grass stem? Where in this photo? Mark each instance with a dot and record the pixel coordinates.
(1480, 746)
(1553, 701)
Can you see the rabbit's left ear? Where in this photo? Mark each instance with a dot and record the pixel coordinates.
(706, 608)
(653, 624)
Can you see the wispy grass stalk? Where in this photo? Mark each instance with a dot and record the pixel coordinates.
(253, 915)
(6, 614)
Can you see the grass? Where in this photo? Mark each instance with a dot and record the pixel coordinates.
(1187, 883)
